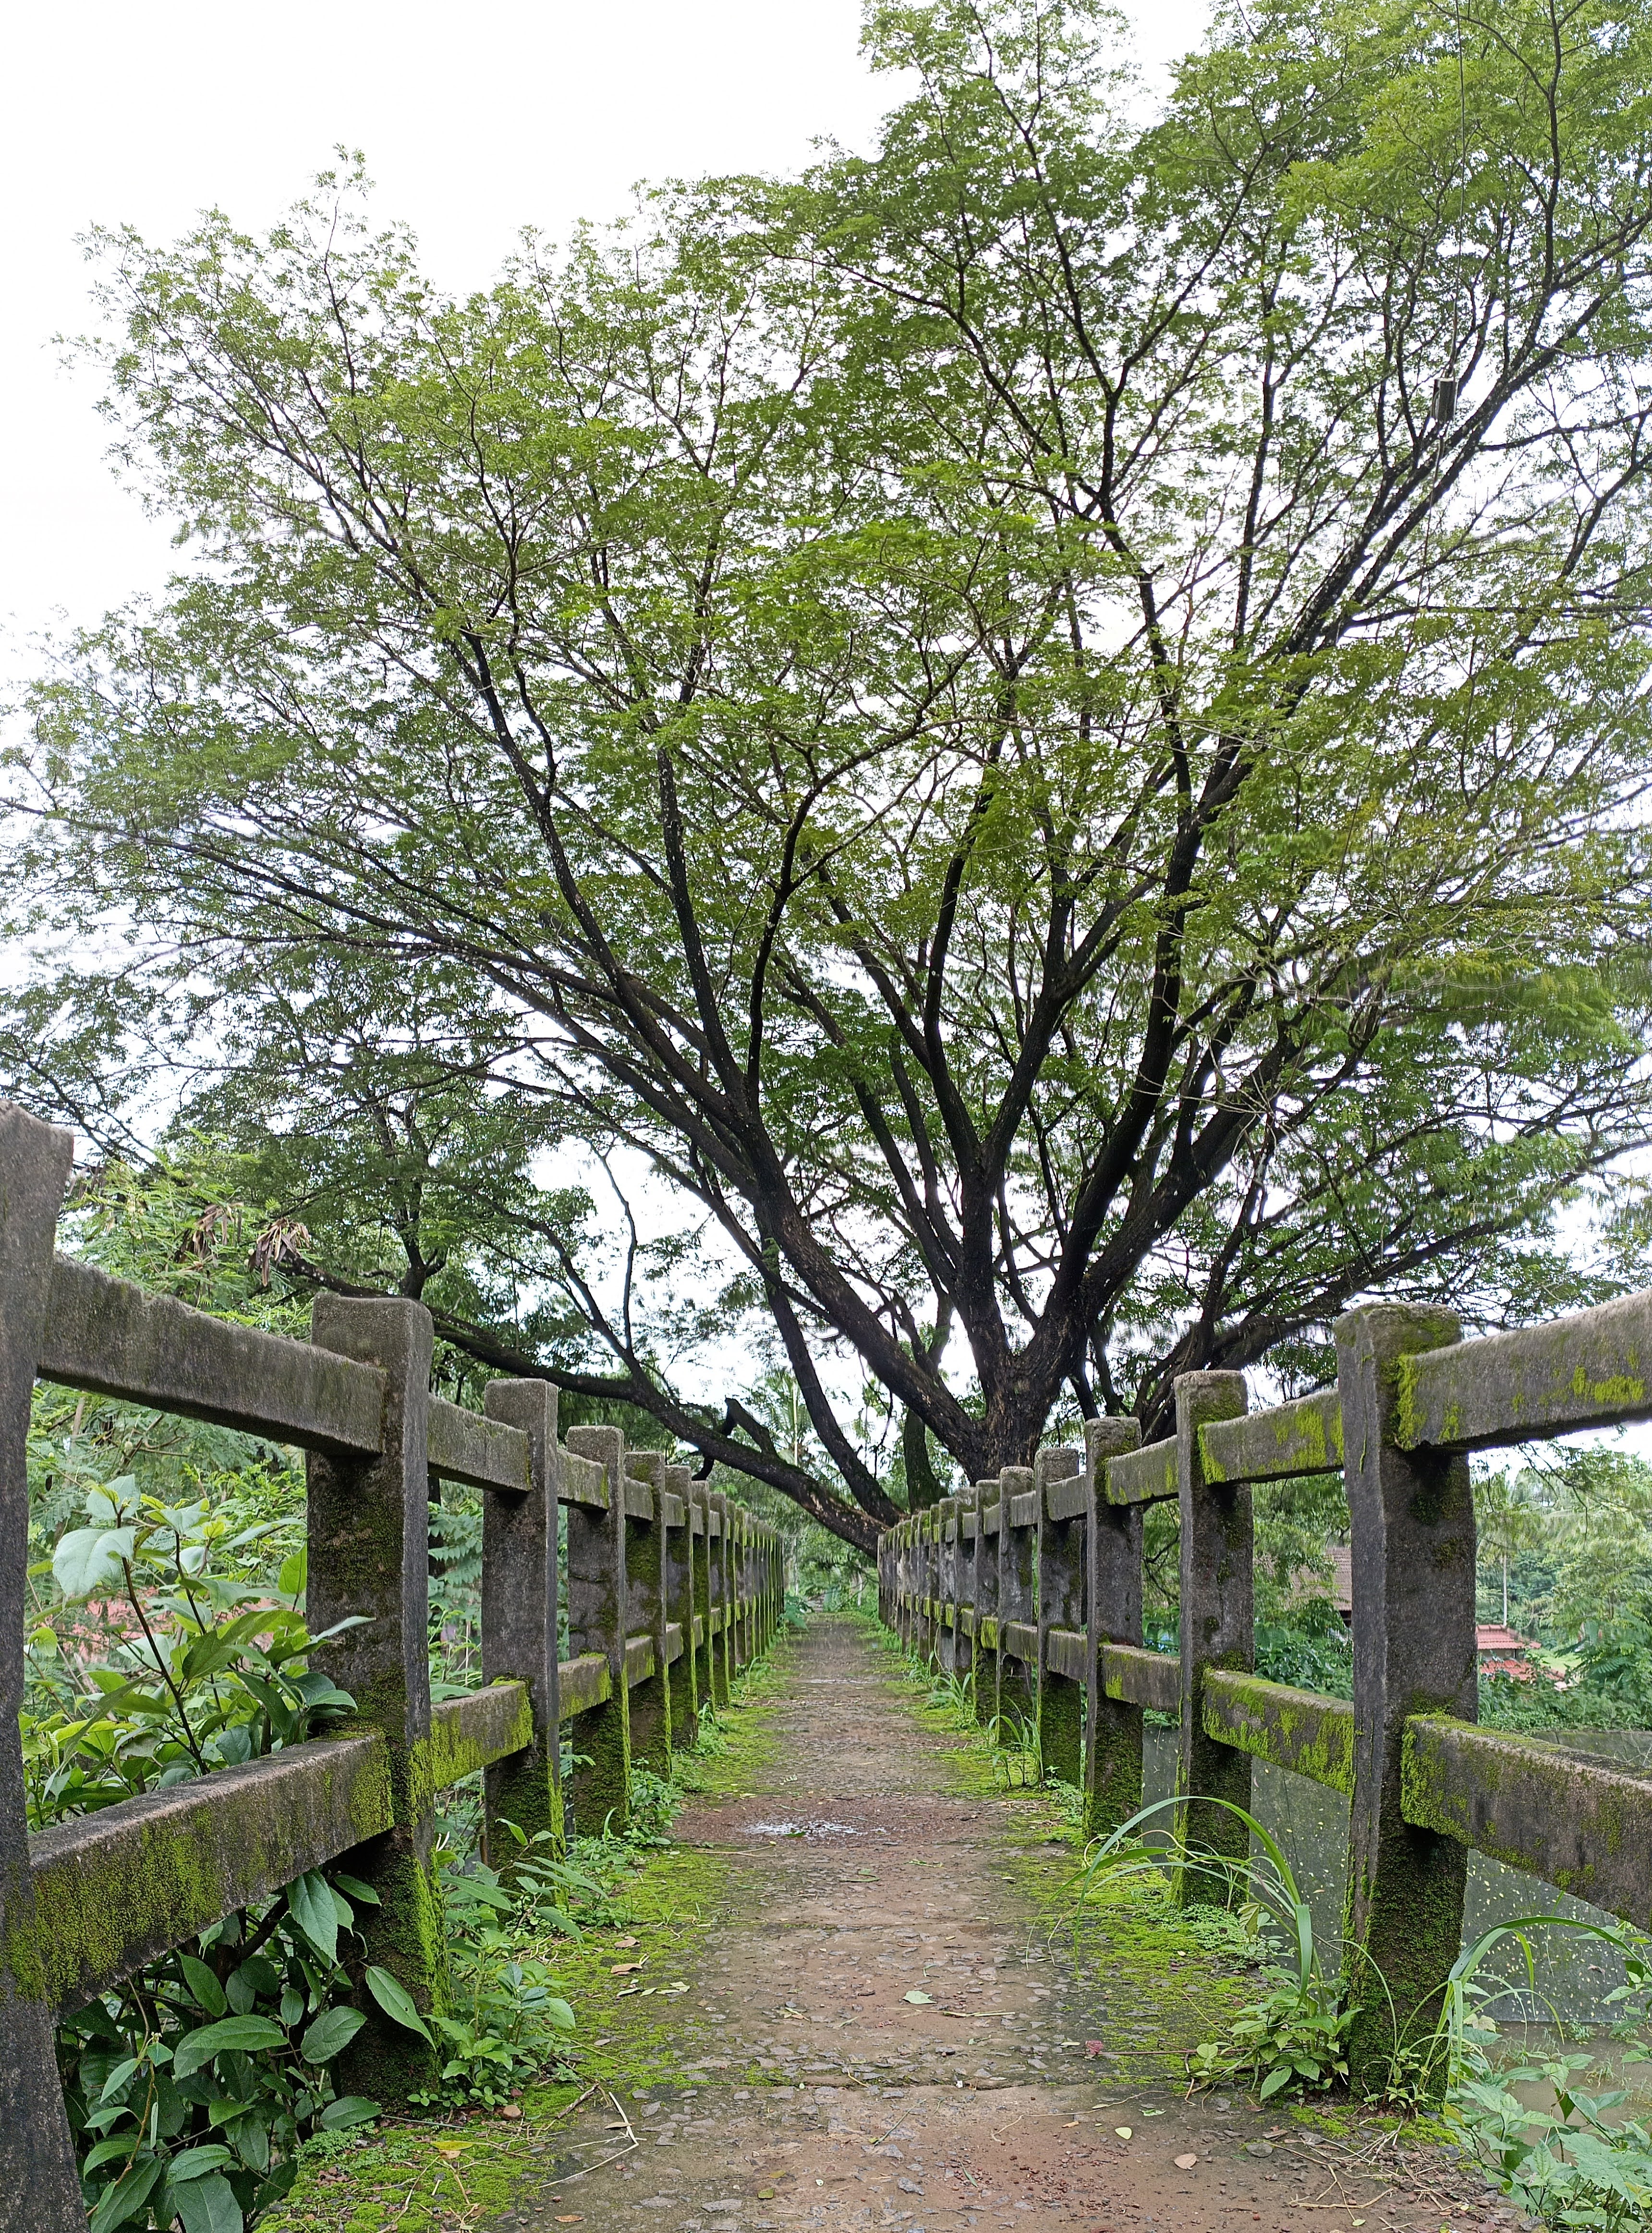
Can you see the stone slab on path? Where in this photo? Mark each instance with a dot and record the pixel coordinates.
(859, 1873)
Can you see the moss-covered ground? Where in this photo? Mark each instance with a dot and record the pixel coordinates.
(445, 2174)
(1168, 1978)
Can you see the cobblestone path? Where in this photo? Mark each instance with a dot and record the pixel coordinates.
(882, 2034)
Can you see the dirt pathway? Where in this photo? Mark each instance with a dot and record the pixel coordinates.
(815, 2092)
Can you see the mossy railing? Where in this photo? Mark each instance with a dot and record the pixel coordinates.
(670, 1590)
(1031, 1584)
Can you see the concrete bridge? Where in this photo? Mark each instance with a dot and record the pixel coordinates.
(1030, 1583)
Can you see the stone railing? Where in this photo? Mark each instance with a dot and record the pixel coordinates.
(670, 1590)
(1031, 1585)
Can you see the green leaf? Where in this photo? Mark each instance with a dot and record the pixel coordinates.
(362, 1894)
(123, 2201)
(204, 1986)
(89, 1559)
(118, 2077)
(348, 2109)
(106, 2151)
(919, 2000)
(330, 2033)
(195, 2163)
(560, 2014)
(1275, 2078)
(242, 2035)
(208, 2205)
(107, 1504)
(394, 2000)
(309, 1901)
(294, 1573)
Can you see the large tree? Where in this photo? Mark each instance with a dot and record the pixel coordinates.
(1046, 727)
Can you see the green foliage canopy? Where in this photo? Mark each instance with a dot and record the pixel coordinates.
(1045, 726)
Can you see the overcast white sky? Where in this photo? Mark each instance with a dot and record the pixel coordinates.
(473, 128)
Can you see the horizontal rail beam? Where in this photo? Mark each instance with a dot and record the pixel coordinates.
(1024, 1509)
(1138, 1678)
(1585, 1827)
(1143, 1476)
(1303, 1437)
(583, 1481)
(464, 1446)
(1019, 1639)
(1065, 1650)
(1590, 1370)
(1310, 1734)
(469, 1733)
(582, 1683)
(111, 1338)
(116, 1890)
(1069, 1499)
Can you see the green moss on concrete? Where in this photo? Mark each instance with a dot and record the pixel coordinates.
(437, 2175)
(600, 1787)
(1398, 1967)
(1310, 1735)
(1506, 1798)
(166, 1886)
(1616, 1393)
(524, 1791)
(405, 1935)
(1061, 1728)
(173, 1874)
(454, 1749)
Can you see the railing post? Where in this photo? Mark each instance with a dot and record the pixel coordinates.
(987, 1660)
(1217, 1629)
(1061, 1604)
(946, 1588)
(918, 1551)
(759, 1590)
(722, 1594)
(738, 1654)
(40, 2189)
(700, 1546)
(681, 1681)
(644, 1576)
(910, 1572)
(929, 1583)
(598, 1602)
(1113, 1555)
(968, 1510)
(369, 1556)
(759, 1573)
(1017, 1581)
(744, 1586)
(519, 1621)
(1412, 1517)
